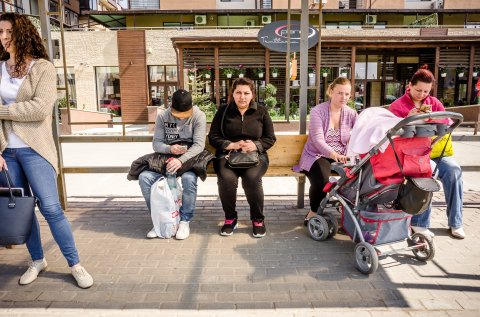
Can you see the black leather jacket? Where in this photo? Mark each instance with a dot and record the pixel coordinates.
(156, 162)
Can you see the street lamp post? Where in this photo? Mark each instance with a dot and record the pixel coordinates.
(319, 50)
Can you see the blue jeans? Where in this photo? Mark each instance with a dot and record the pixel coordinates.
(450, 174)
(189, 195)
(30, 170)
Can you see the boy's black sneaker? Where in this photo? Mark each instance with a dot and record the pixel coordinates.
(259, 229)
(228, 227)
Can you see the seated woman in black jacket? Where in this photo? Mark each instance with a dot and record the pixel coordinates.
(245, 126)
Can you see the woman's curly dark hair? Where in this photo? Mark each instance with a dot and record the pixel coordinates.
(27, 41)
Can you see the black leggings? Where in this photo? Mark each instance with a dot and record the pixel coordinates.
(227, 179)
(318, 177)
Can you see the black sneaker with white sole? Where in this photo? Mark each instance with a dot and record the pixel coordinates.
(259, 229)
(228, 227)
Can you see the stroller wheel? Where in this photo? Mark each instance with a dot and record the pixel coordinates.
(318, 228)
(366, 258)
(332, 224)
(424, 247)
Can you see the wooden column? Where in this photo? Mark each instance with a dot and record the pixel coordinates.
(352, 70)
(435, 71)
(217, 76)
(470, 72)
(132, 61)
(181, 82)
(267, 66)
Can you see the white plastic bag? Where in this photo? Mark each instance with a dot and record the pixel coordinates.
(165, 208)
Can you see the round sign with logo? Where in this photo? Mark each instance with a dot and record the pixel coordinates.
(274, 36)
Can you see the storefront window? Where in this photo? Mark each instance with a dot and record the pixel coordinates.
(163, 83)
(156, 73)
(360, 67)
(108, 89)
(393, 91)
(61, 93)
(171, 73)
(374, 67)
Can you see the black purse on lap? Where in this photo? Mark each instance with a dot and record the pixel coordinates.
(239, 159)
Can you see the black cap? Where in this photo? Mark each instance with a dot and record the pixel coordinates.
(181, 100)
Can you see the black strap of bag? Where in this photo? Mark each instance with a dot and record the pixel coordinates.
(223, 119)
(11, 203)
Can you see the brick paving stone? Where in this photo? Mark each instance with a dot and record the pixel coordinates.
(32, 304)
(251, 287)
(159, 297)
(216, 287)
(63, 296)
(463, 313)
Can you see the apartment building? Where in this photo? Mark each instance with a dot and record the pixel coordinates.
(30, 7)
(149, 49)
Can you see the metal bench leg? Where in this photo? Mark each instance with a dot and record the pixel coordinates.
(300, 191)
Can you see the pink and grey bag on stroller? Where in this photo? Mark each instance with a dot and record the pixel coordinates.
(379, 194)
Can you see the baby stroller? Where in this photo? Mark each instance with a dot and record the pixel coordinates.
(373, 194)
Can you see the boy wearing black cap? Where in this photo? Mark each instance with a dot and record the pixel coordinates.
(179, 129)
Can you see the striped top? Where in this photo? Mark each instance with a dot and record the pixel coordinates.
(333, 138)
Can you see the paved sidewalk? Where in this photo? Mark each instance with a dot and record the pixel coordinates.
(284, 274)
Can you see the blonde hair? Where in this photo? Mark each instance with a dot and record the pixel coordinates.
(336, 82)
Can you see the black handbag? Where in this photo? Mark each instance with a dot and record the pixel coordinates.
(16, 214)
(415, 194)
(239, 159)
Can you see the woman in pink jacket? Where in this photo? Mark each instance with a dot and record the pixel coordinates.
(417, 100)
(329, 132)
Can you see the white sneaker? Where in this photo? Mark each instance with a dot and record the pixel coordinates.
(84, 280)
(34, 268)
(183, 230)
(151, 234)
(458, 233)
(423, 231)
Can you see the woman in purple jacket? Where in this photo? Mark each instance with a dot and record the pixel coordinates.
(329, 132)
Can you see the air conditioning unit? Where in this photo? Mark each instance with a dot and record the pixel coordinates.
(343, 4)
(266, 19)
(200, 19)
(370, 19)
(250, 22)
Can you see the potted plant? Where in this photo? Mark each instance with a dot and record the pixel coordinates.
(343, 72)
(241, 71)
(228, 72)
(325, 71)
(206, 72)
(460, 71)
(191, 73)
(259, 72)
(274, 72)
(442, 71)
(476, 70)
(311, 72)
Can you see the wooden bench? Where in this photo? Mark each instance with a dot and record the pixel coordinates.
(471, 115)
(283, 155)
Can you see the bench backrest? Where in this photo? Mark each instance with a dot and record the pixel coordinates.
(470, 113)
(285, 152)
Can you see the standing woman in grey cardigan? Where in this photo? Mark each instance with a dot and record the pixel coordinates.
(28, 94)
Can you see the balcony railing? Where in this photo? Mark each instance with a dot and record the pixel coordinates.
(12, 7)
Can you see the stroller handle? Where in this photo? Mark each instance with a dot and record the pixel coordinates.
(456, 117)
